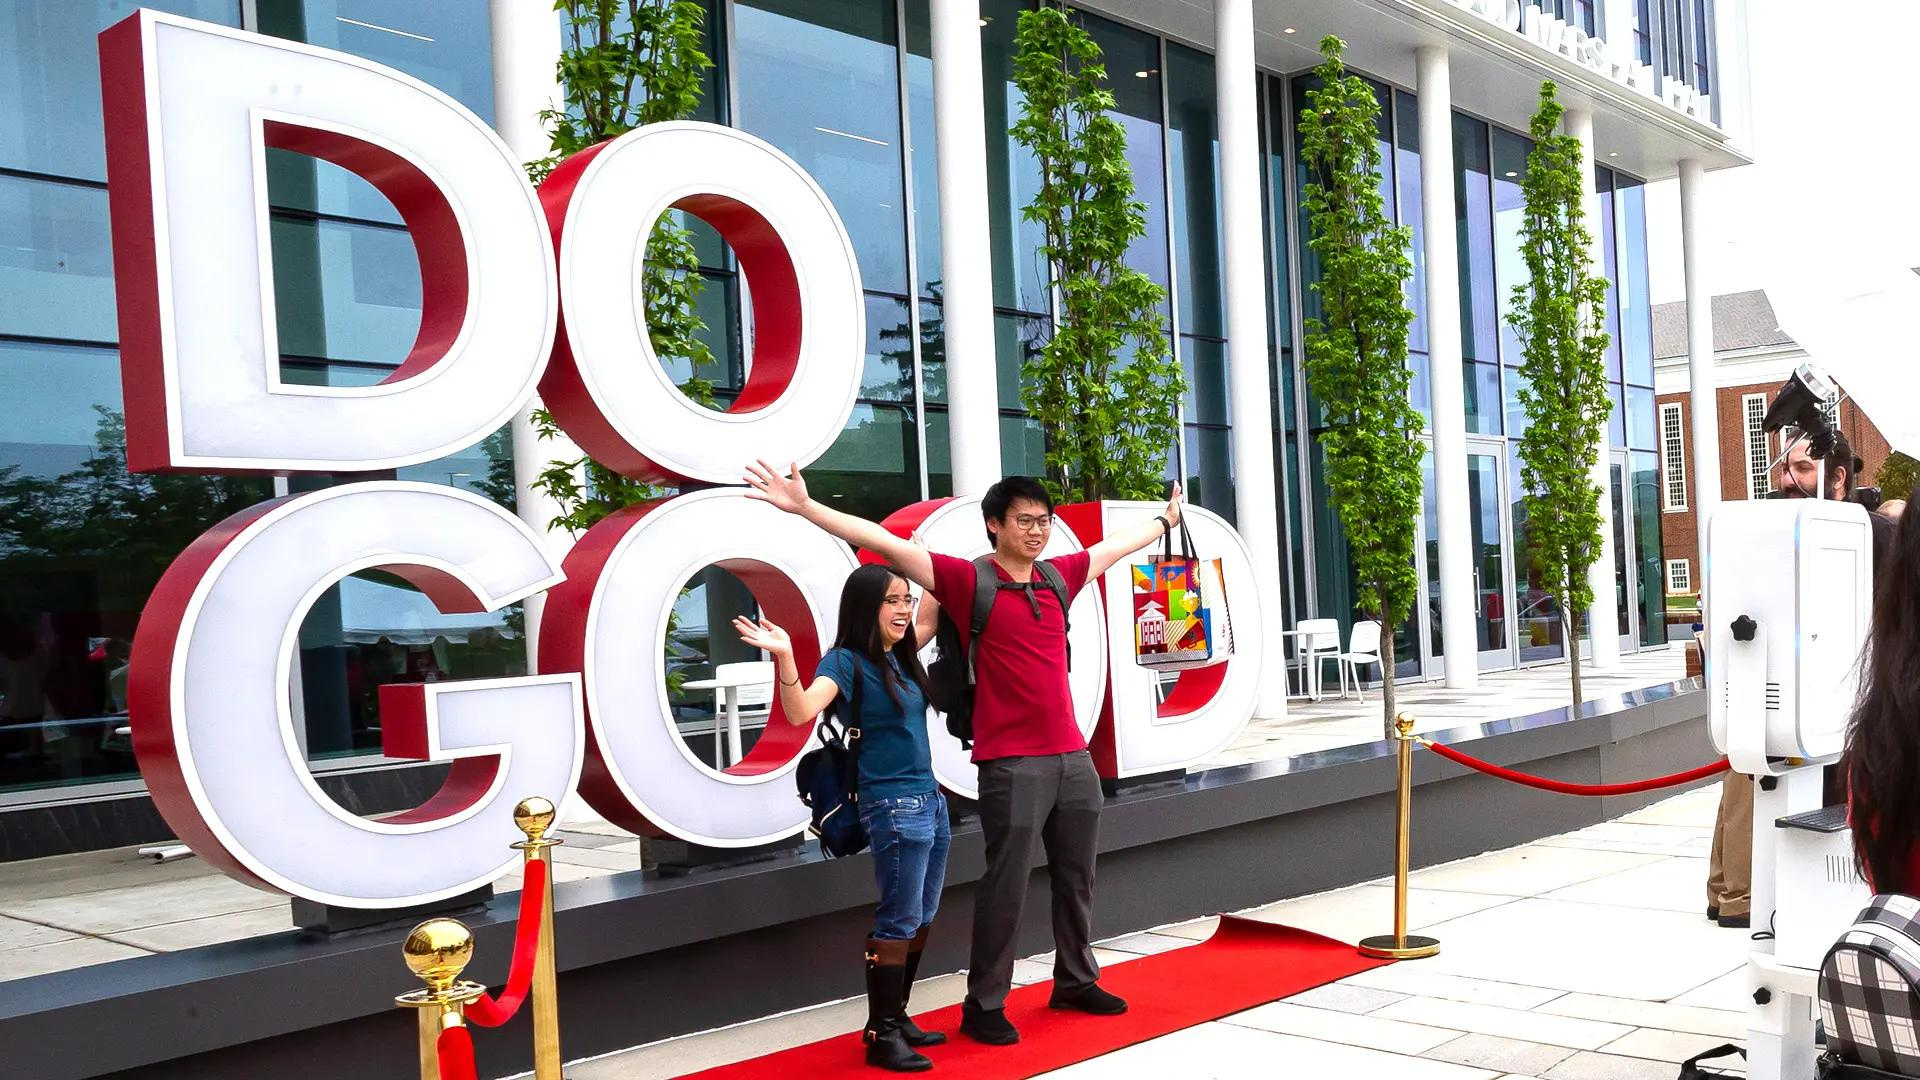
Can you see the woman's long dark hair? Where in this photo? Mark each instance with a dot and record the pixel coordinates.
(860, 602)
(1882, 761)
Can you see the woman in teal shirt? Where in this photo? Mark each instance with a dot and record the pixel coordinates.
(900, 803)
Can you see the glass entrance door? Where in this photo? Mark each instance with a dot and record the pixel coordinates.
(1492, 556)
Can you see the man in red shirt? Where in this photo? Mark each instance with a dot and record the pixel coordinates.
(1037, 782)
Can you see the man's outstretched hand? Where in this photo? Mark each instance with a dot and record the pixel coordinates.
(787, 493)
(1173, 505)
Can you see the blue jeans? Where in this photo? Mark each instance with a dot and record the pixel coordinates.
(910, 835)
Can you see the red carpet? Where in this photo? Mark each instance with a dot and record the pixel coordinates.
(1245, 963)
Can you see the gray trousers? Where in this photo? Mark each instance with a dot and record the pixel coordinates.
(1055, 801)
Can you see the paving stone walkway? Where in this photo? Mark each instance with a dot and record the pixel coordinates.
(1580, 957)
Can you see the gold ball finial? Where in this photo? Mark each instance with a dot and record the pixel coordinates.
(1403, 723)
(534, 816)
(438, 951)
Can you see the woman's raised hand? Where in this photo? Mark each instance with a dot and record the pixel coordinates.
(764, 635)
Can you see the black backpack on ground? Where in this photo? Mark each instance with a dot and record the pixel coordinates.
(1870, 993)
(829, 776)
(951, 677)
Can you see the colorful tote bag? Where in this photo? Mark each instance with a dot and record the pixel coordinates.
(1180, 616)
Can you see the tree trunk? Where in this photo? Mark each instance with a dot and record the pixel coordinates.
(1387, 696)
(1572, 621)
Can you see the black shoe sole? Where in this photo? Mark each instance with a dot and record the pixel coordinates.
(1735, 922)
(1068, 1006)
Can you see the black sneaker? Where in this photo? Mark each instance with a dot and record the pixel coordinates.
(1088, 999)
(989, 1026)
(1736, 922)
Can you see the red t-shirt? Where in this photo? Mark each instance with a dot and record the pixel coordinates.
(1022, 706)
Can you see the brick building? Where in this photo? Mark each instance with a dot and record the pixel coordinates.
(1752, 358)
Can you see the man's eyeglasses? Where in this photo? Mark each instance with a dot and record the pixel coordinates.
(1031, 523)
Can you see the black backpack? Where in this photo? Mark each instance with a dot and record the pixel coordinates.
(951, 677)
(829, 776)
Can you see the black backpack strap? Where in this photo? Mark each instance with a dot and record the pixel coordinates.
(987, 585)
(853, 733)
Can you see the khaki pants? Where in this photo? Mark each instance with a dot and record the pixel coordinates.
(1730, 867)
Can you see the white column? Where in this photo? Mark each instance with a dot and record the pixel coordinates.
(1459, 600)
(966, 264)
(1256, 498)
(1703, 402)
(1603, 620)
(526, 52)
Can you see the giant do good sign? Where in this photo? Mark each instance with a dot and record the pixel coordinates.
(520, 290)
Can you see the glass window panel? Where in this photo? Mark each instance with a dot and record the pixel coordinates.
(56, 261)
(1209, 479)
(50, 66)
(447, 46)
(873, 468)
(923, 148)
(1193, 138)
(1652, 598)
(1205, 365)
(1015, 338)
(889, 371)
(344, 290)
(82, 543)
(1132, 59)
(818, 79)
(1636, 304)
(1485, 409)
(1517, 423)
(1407, 173)
(1609, 241)
(1023, 446)
(1642, 431)
(939, 459)
(1420, 385)
(1473, 223)
(1509, 214)
(933, 357)
(1020, 279)
(1280, 307)
(1617, 418)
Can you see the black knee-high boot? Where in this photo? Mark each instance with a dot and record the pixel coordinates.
(886, 1007)
(910, 1030)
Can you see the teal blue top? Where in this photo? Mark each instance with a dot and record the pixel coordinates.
(895, 759)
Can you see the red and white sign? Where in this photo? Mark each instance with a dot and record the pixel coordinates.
(190, 109)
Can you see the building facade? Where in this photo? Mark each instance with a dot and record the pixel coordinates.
(854, 91)
(1752, 359)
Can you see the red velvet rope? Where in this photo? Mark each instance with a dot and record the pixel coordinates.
(1565, 788)
(492, 1012)
(455, 1047)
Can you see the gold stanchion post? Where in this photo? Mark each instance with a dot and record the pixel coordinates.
(438, 951)
(535, 816)
(1400, 946)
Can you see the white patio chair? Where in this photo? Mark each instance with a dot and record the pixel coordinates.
(1363, 648)
(1317, 642)
(743, 699)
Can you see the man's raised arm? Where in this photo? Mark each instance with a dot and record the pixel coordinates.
(789, 493)
(1102, 556)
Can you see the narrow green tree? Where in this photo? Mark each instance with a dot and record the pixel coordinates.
(1357, 347)
(1559, 313)
(626, 63)
(1104, 387)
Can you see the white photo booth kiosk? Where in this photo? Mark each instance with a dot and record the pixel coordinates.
(1788, 599)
